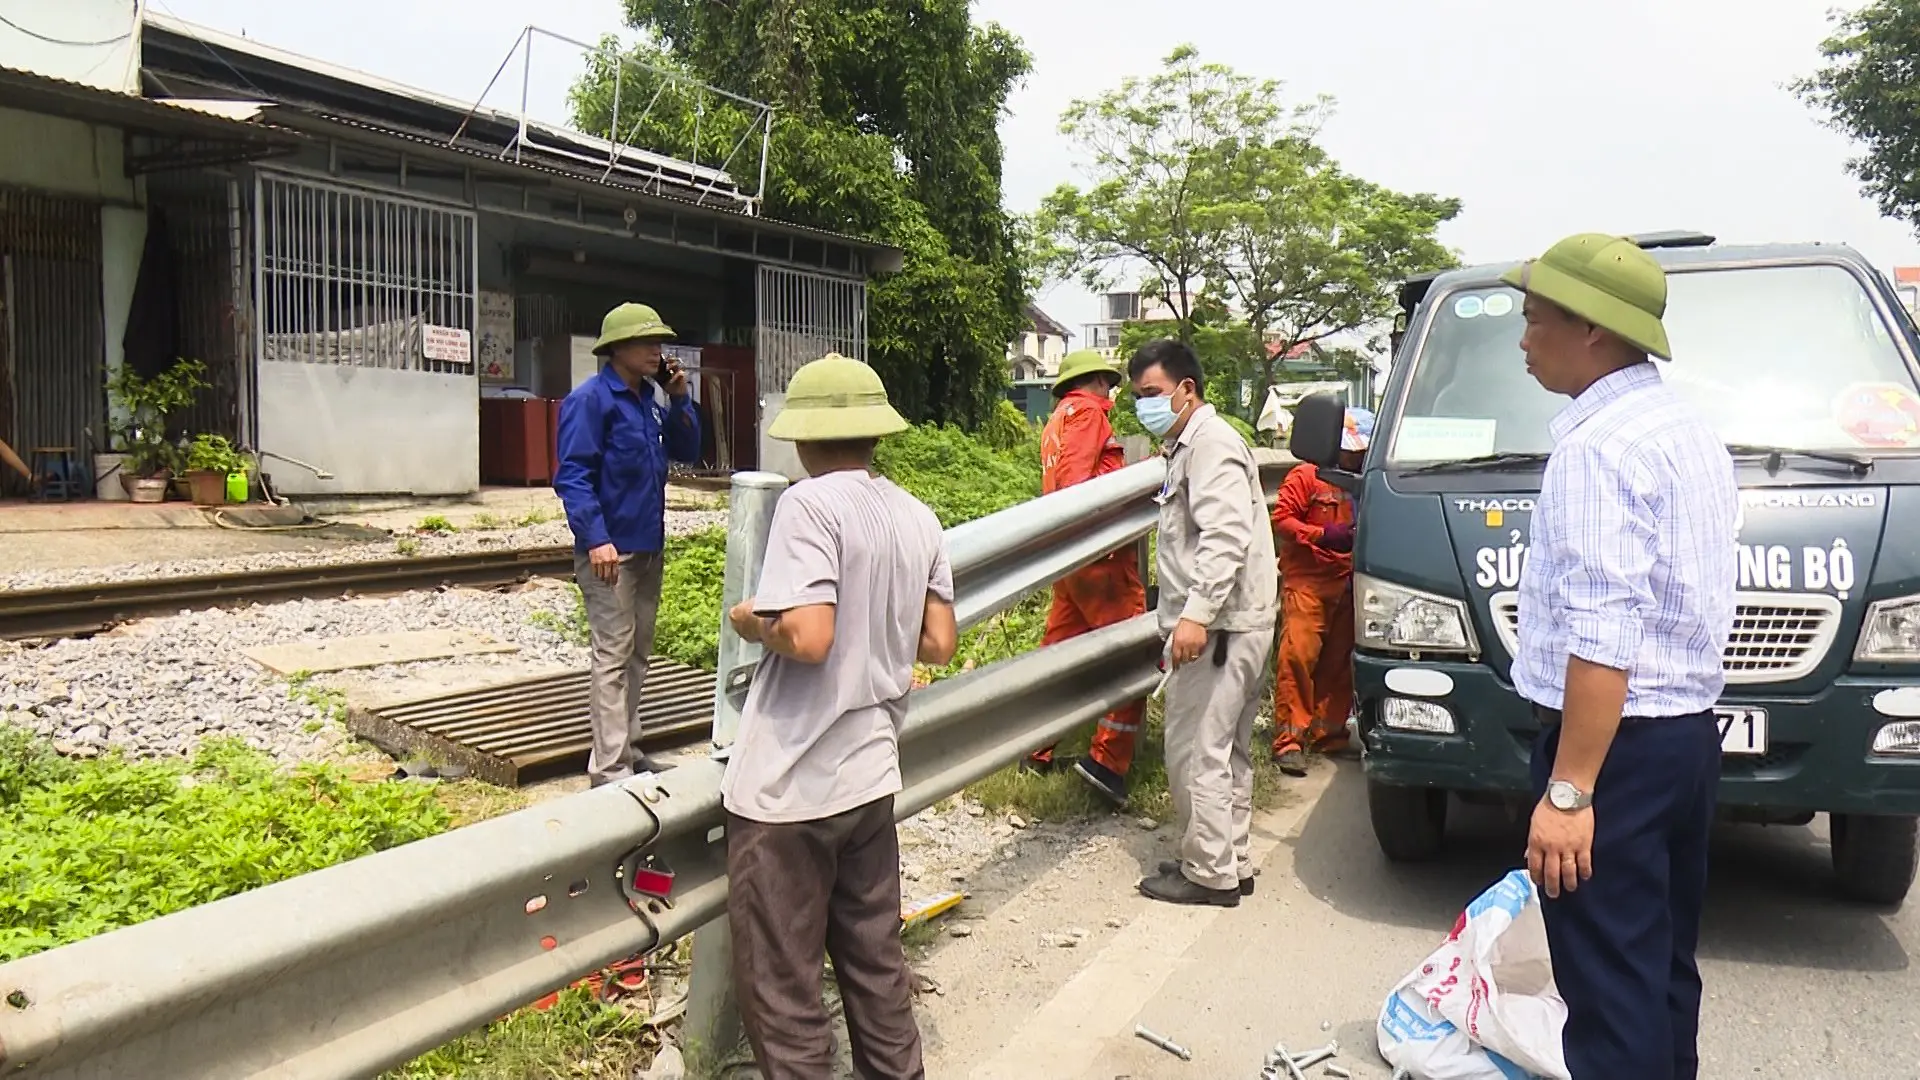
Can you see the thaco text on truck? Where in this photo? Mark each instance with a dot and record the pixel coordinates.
(1802, 357)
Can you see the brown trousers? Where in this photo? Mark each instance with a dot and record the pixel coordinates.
(797, 891)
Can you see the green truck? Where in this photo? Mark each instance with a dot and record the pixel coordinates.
(1804, 359)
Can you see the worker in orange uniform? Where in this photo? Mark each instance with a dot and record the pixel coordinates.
(1078, 445)
(1313, 688)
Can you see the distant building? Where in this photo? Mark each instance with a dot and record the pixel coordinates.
(1037, 352)
(1119, 308)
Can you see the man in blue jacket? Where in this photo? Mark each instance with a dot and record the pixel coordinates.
(617, 432)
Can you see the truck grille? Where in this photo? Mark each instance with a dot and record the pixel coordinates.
(1777, 637)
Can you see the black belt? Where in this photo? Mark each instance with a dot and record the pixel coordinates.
(1550, 717)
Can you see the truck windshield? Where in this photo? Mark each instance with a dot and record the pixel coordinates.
(1794, 357)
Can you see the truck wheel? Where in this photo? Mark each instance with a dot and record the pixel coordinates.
(1874, 857)
(1409, 823)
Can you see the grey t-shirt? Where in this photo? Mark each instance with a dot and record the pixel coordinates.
(820, 739)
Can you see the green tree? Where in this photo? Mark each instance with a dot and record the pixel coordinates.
(1867, 89)
(887, 128)
(1157, 149)
(1214, 184)
(1308, 251)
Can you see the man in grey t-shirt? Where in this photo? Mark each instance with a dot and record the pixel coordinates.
(856, 587)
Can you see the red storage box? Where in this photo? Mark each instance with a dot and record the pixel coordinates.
(516, 441)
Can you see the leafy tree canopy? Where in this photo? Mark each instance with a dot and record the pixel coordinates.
(887, 127)
(1869, 89)
(1209, 180)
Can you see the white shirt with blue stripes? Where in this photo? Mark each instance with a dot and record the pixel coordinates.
(1633, 560)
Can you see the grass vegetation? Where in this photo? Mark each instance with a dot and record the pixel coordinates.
(577, 1037)
(96, 845)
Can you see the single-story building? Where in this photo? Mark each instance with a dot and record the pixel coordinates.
(85, 175)
(391, 288)
(426, 273)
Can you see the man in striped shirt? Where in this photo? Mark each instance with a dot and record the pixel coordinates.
(1625, 607)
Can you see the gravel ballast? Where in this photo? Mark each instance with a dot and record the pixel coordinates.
(546, 534)
(159, 686)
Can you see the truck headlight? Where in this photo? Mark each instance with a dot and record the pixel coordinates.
(1891, 632)
(1396, 618)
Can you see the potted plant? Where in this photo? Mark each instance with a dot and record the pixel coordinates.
(139, 423)
(211, 459)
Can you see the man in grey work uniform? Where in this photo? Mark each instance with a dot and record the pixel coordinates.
(1626, 605)
(617, 432)
(1219, 597)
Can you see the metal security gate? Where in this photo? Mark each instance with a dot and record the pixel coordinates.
(365, 310)
(52, 330)
(351, 277)
(802, 316)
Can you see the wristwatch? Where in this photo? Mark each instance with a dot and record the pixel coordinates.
(1563, 795)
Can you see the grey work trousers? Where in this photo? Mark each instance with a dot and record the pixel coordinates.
(802, 889)
(620, 618)
(1209, 738)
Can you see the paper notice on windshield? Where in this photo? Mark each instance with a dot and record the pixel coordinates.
(1443, 438)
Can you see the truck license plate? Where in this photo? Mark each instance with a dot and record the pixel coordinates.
(1742, 731)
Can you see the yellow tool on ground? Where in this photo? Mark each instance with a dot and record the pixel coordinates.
(930, 908)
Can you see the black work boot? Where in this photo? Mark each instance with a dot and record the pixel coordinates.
(1176, 889)
(1171, 868)
(1111, 785)
(1292, 763)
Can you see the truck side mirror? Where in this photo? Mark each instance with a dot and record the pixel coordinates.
(1317, 423)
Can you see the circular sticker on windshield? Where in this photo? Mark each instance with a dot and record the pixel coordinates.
(1498, 304)
(1468, 307)
(1883, 415)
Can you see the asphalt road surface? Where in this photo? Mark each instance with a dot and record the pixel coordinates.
(1800, 984)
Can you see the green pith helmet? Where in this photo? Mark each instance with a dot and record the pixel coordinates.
(630, 322)
(835, 398)
(1083, 362)
(1606, 280)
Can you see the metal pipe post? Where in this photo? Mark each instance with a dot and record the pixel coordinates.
(713, 1026)
(749, 516)
(713, 1016)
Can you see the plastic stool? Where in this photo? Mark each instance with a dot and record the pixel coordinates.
(56, 474)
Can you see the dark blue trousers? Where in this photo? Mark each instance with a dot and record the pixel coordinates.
(1623, 943)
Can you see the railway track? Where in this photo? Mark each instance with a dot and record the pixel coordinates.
(79, 610)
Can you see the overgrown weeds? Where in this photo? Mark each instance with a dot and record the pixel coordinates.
(97, 845)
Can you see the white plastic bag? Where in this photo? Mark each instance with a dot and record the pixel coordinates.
(1483, 1006)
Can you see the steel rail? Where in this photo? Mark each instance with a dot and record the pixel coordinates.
(360, 967)
(75, 610)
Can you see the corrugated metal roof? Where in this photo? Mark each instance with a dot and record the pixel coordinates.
(33, 92)
(303, 119)
(349, 85)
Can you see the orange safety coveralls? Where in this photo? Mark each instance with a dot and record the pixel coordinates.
(1078, 445)
(1313, 687)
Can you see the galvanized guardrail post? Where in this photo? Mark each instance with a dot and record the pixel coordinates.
(749, 516)
(713, 1017)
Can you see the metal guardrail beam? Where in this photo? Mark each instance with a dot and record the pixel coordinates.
(363, 966)
(1000, 558)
